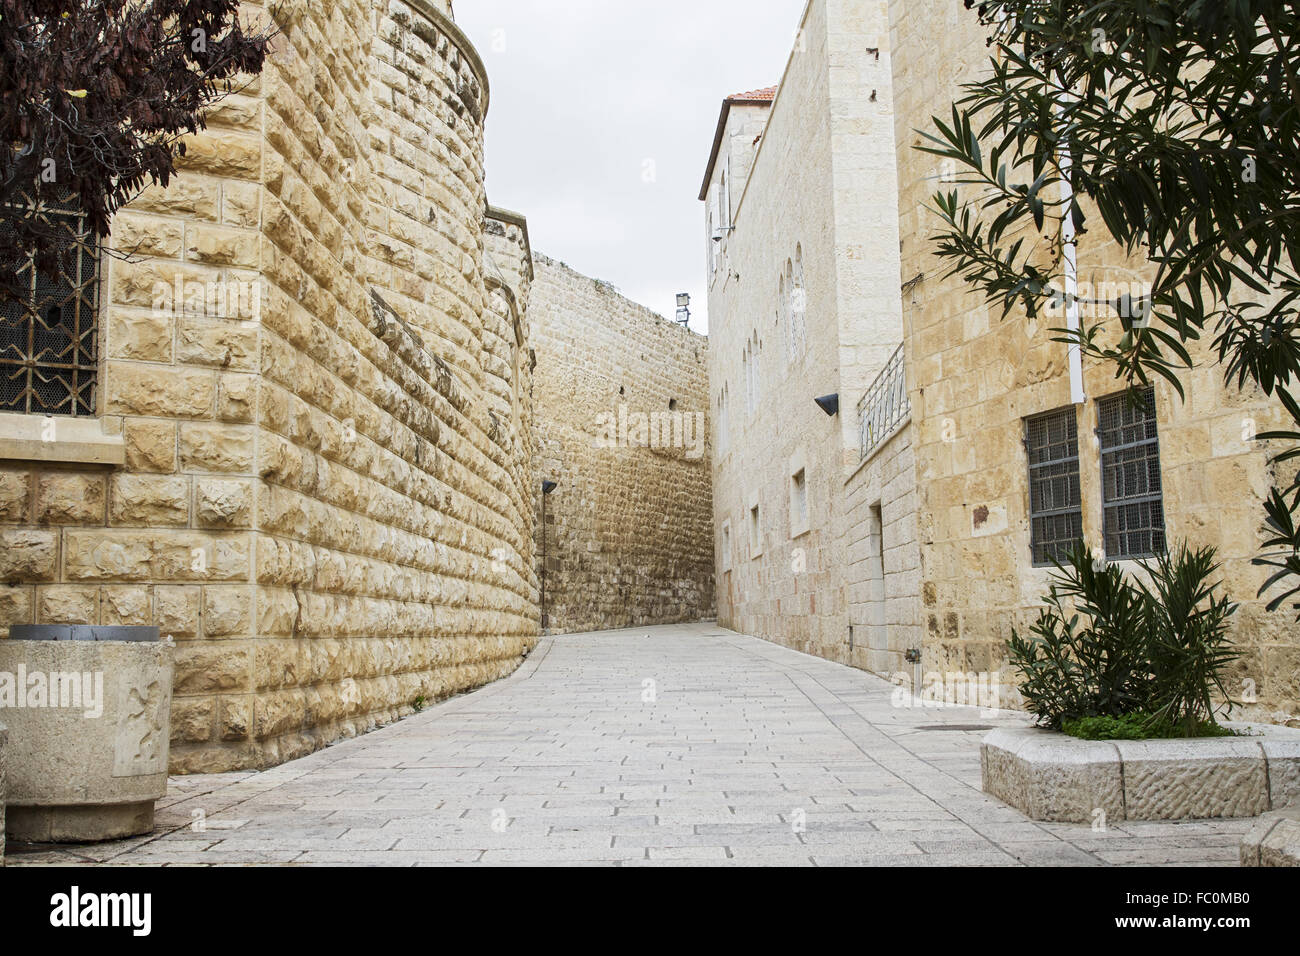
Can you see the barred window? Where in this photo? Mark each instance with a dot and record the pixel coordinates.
(1132, 494)
(1055, 502)
(49, 341)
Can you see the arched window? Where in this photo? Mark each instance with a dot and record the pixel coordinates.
(724, 420)
(783, 315)
(749, 378)
(798, 307)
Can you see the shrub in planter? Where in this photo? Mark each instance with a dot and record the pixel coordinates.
(1111, 646)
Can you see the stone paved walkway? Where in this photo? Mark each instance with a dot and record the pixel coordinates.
(566, 763)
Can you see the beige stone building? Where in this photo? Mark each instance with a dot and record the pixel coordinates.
(815, 527)
(294, 428)
(924, 517)
(1012, 456)
(623, 431)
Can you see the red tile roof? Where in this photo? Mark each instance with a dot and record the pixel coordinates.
(765, 95)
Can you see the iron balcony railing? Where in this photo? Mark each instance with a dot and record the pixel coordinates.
(885, 405)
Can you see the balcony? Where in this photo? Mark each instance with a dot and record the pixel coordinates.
(885, 406)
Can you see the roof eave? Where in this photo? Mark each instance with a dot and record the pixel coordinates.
(727, 104)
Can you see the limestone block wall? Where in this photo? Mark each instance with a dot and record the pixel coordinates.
(975, 378)
(809, 210)
(882, 559)
(623, 429)
(325, 495)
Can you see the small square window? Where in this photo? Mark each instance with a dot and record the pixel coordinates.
(755, 533)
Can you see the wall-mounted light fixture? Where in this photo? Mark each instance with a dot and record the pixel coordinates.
(683, 309)
(830, 404)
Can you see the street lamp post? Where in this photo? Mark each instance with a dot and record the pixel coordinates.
(547, 488)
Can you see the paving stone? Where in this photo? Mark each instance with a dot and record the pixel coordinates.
(563, 765)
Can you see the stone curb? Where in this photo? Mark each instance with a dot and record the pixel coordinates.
(1274, 840)
(1053, 777)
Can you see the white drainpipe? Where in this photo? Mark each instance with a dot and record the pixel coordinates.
(1070, 254)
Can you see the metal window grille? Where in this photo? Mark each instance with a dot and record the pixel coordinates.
(1055, 502)
(49, 341)
(885, 405)
(1132, 493)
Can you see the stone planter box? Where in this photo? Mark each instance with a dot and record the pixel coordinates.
(1274, 840)
(1051, 776)
(87, 758)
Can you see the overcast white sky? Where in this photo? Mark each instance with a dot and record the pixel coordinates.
(587, 94)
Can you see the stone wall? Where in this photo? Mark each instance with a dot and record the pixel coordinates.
(882, 567)
(974, 379)
(623, 431)
(313, 384)
(815, 212)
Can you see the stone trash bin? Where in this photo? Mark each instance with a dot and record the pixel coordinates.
(89, 717)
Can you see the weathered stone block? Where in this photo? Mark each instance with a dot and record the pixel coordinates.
(188, 196)
(222, 153)
(1035, 771)
(1274, 840)
(1283, 756)
(150, 445)
(216, 447)
(223, 503)
(192, 720)
(227, 610)
(160, 392)
(69, 498)
(143, 336)
(236, 717)
(64, 604)
(28, 555)
(178, 610)
(221, 343)
(212, 668)
(126, 606)
(236, 398)
(15, 495)
(218, 245)
(149, 501)
(1190, 779)
(120, 555)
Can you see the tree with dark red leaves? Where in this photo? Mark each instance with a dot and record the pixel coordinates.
(97, 96)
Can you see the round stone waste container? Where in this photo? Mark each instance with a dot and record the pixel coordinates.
(88, 711)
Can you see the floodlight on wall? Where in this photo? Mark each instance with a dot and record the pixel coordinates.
(683, 308)
(548, 487)
(830, 404)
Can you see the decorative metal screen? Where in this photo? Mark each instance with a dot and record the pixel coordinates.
(885, 405)
(49, 342)
(1132, 494)
(1055, 503)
